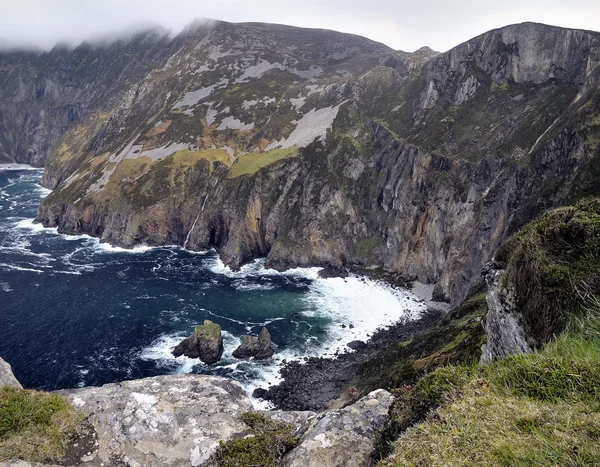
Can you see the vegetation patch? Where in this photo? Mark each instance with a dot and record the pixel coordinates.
(534, 409)
(252, 162)
(35, 426)
(191, 158)
(553, 265)
(265, 447)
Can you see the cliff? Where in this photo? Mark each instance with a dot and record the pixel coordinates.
(312, 147)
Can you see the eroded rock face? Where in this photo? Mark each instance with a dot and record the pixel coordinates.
(173, 420)
(258, 347)
(505, 335)
(343, 438)
(206, 343)
(7, 378)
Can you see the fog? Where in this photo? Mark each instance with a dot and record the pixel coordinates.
(401, 24)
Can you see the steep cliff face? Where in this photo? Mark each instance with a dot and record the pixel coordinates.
(319, 148)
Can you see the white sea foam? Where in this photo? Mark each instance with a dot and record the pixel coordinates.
(6, 167)
(257, 268)
(19, 268)
(35, 228)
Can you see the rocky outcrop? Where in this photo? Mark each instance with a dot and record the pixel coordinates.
(171, 420)
(343, 437)
(257, 347)
(179, 420)
(7, 378)
(505, 336)
(206, 343)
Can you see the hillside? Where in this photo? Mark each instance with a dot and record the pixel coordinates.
(312, 147)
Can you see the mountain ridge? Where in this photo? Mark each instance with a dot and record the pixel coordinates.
(337, 154)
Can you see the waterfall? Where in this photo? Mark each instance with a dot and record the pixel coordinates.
(190, 231)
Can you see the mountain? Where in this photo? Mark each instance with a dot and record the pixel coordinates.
(310, 147)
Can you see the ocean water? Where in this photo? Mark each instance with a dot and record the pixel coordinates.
(75, 312)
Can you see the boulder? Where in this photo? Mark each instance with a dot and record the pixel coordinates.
(255, 347)
(206, 343)
(6, 376)
(172, 420)
(345, 437)
(357, 345)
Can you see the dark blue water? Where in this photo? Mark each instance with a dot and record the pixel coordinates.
(74, 312)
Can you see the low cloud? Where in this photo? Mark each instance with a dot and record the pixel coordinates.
(401, 24)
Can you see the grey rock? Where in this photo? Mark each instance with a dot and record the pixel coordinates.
(343, 438)
(257, 347)
(174, 420)
(206, 343)
(7, 378)
(504, 334)
(355, 345)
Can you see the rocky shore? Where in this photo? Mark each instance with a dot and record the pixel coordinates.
(319, 383)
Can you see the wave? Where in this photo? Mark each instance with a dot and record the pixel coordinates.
(257, 269)
(19, 167)
(19, 268)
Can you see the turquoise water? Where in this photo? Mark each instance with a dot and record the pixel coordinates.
(74, 312)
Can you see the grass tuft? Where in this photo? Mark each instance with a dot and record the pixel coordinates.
(35, 426)
(265, 448)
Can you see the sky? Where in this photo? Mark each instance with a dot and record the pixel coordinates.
(401, 24)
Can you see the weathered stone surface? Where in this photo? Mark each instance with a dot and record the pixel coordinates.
(206, 343)
(258, 347)
(505, 336)
(20, 463)
(343, 438)
(7, 378)
(174, 420)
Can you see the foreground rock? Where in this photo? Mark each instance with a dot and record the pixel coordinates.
(170, 420)
(179, 420)
(206, 343)
(255, 347)
(505, 335)
(343, 437)
(7, 378)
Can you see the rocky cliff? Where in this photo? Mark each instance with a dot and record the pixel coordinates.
(312, 147)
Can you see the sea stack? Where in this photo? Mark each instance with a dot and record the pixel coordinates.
(206, 343)
(257, 347)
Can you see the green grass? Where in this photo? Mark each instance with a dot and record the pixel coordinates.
(35, 426)
(252, 162)
(540, 409)
(266, 446)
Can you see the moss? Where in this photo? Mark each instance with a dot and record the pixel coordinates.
(365, 245)
(265, 447)
(35, 426)
(209, 330)
(553, 265)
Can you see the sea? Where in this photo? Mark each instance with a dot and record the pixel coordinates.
(76, 312)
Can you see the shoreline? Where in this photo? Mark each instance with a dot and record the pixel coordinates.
(319, 383)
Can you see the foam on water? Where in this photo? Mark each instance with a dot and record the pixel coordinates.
(357, 307)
